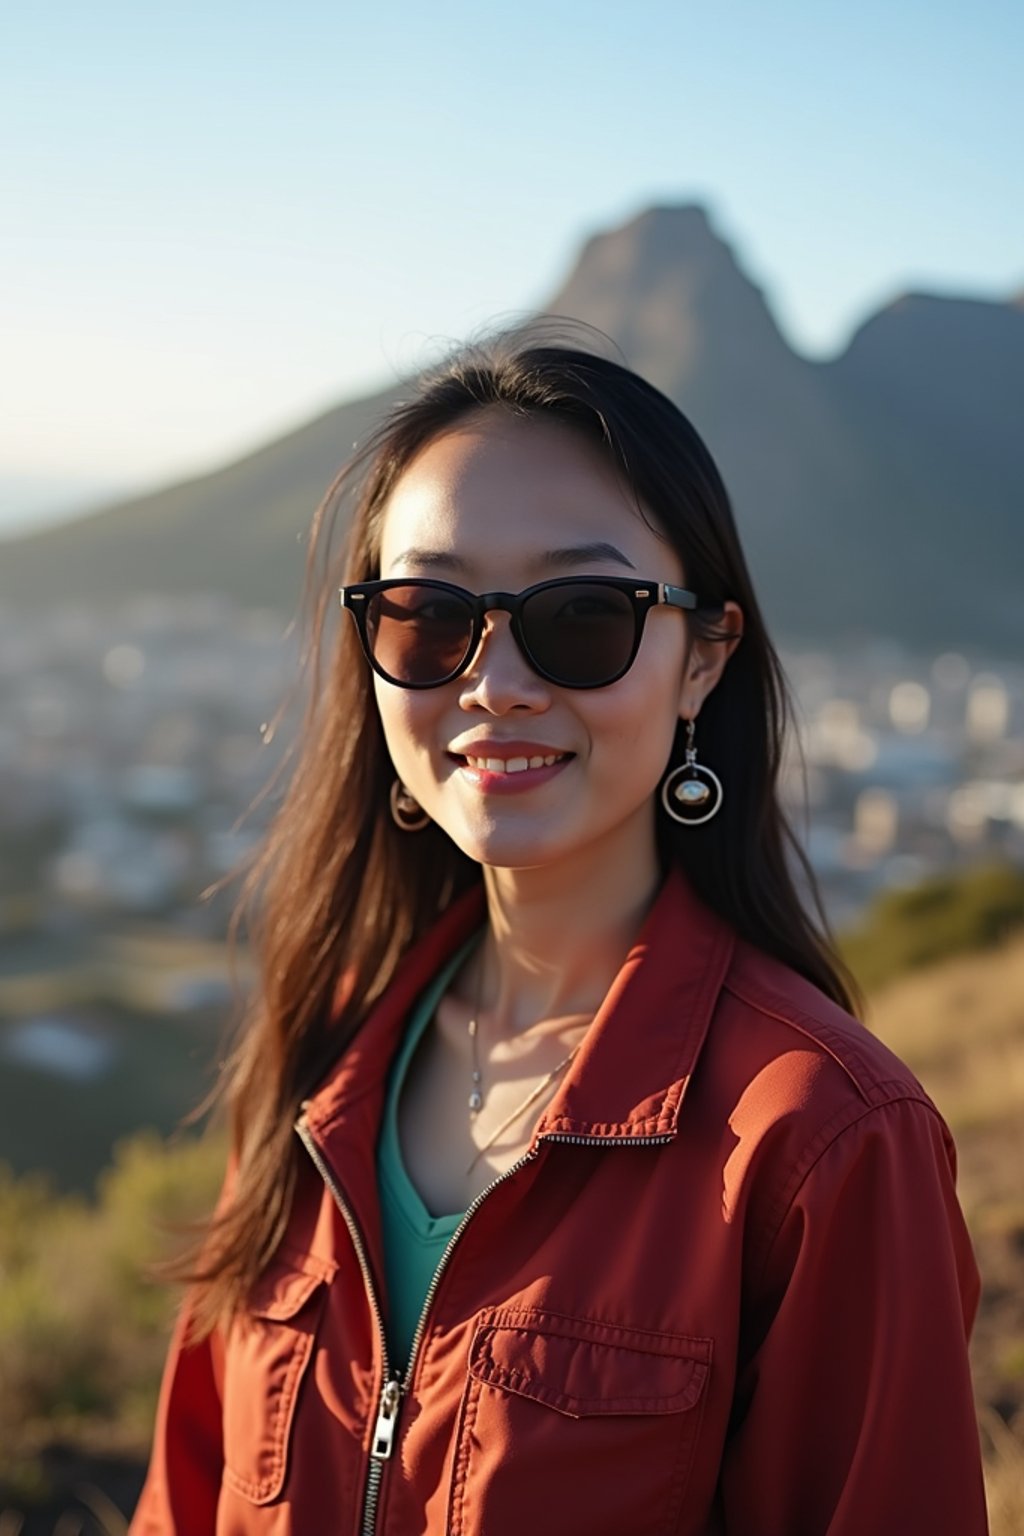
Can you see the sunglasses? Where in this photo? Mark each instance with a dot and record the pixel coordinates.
(576, 632)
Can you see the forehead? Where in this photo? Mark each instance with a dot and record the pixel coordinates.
(498, 490)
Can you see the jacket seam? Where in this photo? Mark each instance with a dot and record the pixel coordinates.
(821, 1032)
(527, 1385)
(498, 1324)
(815, 1151)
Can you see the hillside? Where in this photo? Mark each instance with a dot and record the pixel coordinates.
(960, 1026)
(240, 530)
(877, 493)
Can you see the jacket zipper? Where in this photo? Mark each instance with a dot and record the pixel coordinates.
(387, 1407)
(609, 1141)
(393, 1388)
(473, 1206)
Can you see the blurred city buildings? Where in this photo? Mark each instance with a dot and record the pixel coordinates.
(133, 739)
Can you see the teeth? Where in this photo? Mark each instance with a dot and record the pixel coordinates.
(513, 764)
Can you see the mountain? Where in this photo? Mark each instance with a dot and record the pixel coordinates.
(876, 493)
(934, 388)
(673, 297)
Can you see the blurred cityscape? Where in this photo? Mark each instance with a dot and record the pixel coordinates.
(130, 744)
(132, 741)
(913, 765)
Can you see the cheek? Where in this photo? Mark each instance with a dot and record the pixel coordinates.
(632, 734)
(403, 719)
(410, 722)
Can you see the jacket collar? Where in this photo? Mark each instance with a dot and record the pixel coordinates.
(632, 1070)
(629, 1076)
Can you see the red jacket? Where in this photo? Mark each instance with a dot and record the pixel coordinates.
(726, 1292)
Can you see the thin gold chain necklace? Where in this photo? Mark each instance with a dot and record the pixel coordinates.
(476, 1097)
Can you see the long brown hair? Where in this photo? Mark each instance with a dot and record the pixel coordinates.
(337, 892)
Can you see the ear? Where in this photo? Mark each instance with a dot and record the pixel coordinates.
(706, 661)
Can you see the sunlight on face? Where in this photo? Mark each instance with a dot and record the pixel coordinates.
(494, 505)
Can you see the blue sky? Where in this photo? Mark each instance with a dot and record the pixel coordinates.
(217, 220)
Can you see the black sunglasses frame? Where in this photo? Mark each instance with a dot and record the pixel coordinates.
(643, 596)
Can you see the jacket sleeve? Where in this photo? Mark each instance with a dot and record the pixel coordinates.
(854, 1409)
(182, 1487)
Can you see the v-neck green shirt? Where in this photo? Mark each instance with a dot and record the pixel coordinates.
(414, 1239)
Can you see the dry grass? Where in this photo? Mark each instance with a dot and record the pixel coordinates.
(92, 1515)
(1004, 1474)
(960, 1027)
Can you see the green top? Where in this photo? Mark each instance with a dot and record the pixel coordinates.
(414, 1240)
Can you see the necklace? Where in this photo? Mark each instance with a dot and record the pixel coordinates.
(476, 1097)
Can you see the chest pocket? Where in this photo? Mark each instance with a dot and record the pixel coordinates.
(268, 1351)
(575, 1425)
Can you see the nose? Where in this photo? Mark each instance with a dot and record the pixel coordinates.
(499, 677)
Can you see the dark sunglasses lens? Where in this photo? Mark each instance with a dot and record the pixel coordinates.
(418, 635)
(583, 634)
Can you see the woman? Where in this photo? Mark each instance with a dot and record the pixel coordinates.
(567, 1194)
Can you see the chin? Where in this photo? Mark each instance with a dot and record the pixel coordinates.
(508, 851)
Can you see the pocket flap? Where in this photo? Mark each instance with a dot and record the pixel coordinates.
(581, 1366)
(281, 1293)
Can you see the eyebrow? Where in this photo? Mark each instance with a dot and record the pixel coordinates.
(573, 554)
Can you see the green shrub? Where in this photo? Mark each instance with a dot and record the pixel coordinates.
(948, 915)
(83, 1331)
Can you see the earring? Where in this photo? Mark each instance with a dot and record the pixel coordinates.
(406, 812)
(683, 787)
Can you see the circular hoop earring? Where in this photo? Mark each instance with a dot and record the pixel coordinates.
(406, 812)
(685, 787)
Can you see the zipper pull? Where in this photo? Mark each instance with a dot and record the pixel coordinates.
(384, 1429)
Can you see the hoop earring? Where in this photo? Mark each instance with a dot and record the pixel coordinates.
(406, 812)
(683, 787)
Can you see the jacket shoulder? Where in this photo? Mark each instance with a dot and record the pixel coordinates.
(793, 1075)
(786, 1009)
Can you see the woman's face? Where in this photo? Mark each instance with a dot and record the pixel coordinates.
(494, 505)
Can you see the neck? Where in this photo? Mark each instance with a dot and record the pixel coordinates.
(558, 934)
